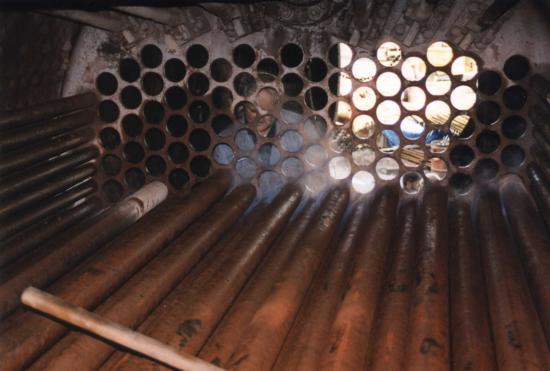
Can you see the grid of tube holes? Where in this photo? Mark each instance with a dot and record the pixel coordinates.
(320, 117)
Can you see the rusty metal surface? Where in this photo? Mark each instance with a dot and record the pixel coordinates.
(390, 333)
(314, 26)
(533, 243)
(221, 343)
(16, 119)
(191, 311)
(132, 302)
(45, 190)
(69, 249)
(350, 331)
(32, 237)
(406, 290)
(207, 265)
(267, 26)
(43, 151)
(25, 179)
(390, 297)
(517, 332)
(29, 135)
(469, 313)
(47, 171)
(428, 331)
(35, 51)
(29, 217)
(101, 273)
(63, 253)
(306, 340)
(268, 327)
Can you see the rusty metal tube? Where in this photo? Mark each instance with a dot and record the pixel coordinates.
(18, 118)
(390, 333)
(517, 332)
(30, 238)
(350, 332)
(111, 331)
(75, 246)
(307, 338)
(533, 241)
(540, 187)
(195, 306)
(263, 338)
(19, 160)
(428, 343)
(28, 135)
(46, 209)
(223, 248)
(28, 336)
(204, 268)
(142, 293)
(32, 176)
(472, 345)
(45, 190)
(222, 342)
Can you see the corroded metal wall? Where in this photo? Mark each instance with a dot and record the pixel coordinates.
(35, 54)
(414, 266)
(246, 144)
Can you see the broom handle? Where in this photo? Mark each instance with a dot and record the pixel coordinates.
(91, 322)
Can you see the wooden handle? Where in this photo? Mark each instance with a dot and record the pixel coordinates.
(111, 331)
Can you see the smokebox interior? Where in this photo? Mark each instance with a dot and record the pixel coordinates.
(280, 185)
